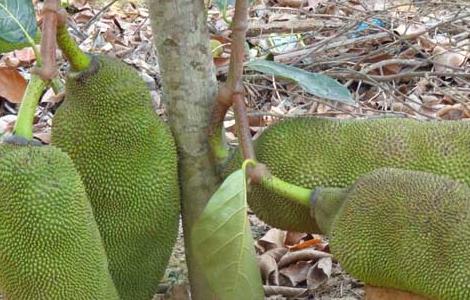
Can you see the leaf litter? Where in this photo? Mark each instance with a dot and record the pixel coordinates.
(396, 57)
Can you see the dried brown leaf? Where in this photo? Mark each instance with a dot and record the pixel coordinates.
(430, 100)
(51, 97)
(447, 60)
(403, 6)
(293, 237)
(454, 112)
(411, 30)
(12, 84)
(426, 43)
(268, 268)
(274, 238)
(305, 254)
(319, 273)
(25, 55)
(268, 265)
(296, 273)
(10, 60)
(7, 123)
(305, 244)
(83, 16)
(43, 136)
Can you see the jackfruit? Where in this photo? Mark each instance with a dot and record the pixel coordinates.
(312, 152)
(50, 246)
(127, 159)
(406, 230)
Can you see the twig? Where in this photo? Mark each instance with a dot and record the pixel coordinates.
(403, 76)
(327, 46)
(285, 291)
(257, 28)
(98, 15)
(394, 61)
(48, 69)
(234, 80)
(233, 84)
(243, 127)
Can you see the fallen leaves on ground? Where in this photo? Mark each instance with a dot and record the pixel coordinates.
(12, 84)
(295, 264)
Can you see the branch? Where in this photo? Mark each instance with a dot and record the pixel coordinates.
(48, 69)
(24, 122)
(244, 135)
(232, 93)
(234, 82)
(78, 60)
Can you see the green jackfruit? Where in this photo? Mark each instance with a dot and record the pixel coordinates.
(127, 159)
(406, 230)
(50, 246)
(312, 152)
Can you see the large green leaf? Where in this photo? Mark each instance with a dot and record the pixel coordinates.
(223, 243)
(317, 84)
(13, 13)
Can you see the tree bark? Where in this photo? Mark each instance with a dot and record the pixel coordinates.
(189, 90)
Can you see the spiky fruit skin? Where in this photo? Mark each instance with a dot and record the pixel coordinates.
(313, 152)
(406, 230)
(50, 246)
(127, 159)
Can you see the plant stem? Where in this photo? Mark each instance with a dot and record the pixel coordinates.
(243, 127)
(326, 203)
(48, 69)
(57, 85)
(218, 145)
(79, 61)
(284, 189)
(24, 122)
(233, 84)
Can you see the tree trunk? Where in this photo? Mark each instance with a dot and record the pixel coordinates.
(189, 89)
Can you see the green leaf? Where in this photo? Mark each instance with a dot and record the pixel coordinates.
(317, 84)
(223, 243)
(14, 13)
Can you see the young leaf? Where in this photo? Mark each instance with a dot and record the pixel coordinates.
(317, 84)
(223, 243)
(13, 13)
